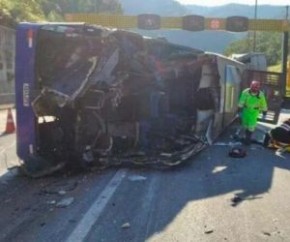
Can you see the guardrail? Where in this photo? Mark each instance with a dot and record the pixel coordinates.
(7, 65)
(7, 99)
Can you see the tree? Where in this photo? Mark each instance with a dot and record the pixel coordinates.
(52, 10)
(269, 43)
(60, 7)
(5, 16)
(240, 46)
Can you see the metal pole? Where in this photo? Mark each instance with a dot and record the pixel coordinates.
(285, 51)
(255, 17)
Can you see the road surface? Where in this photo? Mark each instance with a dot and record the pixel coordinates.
(211, 198)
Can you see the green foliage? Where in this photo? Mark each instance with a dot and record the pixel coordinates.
(60, 7)
(240, 46)
(275, 68)
(28, 10)
(52, 10)
(5, 16)
(269, 43)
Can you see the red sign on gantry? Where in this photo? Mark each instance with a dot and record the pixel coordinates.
(215, 24)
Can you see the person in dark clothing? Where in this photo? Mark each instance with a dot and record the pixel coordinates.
(278, 136)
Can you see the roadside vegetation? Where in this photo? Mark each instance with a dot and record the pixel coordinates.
(269, 43)
(13, 11)
(275, 68)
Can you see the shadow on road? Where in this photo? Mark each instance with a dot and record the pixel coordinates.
(214, 173)
(151, 207)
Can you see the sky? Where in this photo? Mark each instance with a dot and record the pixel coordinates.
(211, 3)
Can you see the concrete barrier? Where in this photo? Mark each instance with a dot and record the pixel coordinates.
(7, 65)
(7, 100)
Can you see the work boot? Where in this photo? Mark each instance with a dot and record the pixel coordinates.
(266, 140)
(248, 137)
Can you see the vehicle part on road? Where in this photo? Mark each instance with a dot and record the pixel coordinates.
(236, 200)
(237, 152)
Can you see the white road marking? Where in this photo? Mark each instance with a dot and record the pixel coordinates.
(92, 215)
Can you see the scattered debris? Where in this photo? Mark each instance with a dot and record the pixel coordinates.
(136, 178)
(126, 226)
(51, 202)
(209, 231)
(60, 188)
(237, 152)
(236, 200)
(266, 233)
(218, 169)
(61, 192)
(65, 202)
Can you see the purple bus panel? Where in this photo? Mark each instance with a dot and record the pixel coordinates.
(24, 86)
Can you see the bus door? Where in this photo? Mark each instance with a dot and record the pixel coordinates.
(271, 83)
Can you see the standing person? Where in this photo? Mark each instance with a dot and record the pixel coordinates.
(252, 102)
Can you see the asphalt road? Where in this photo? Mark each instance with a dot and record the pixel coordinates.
(211, 198)
(8, 157)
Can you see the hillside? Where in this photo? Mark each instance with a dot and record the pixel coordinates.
(263, 11)
(214, 41)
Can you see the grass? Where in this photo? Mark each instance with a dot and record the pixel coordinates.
(278, 68)
(275, 68)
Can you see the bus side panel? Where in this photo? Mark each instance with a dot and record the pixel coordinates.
(24, 86)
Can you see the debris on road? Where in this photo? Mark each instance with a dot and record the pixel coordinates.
(65, 202)
(60, 188)
(125, 226)
(61, 192)
(136, 178)
(209, 231)
(237, 152)
(266, 233)
(236, 200)
(51, 202)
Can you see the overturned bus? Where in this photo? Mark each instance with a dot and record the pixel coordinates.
(92, 96)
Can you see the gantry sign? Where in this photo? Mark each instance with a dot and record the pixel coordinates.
(189, 22)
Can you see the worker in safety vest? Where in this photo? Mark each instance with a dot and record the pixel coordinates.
(252, 102)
